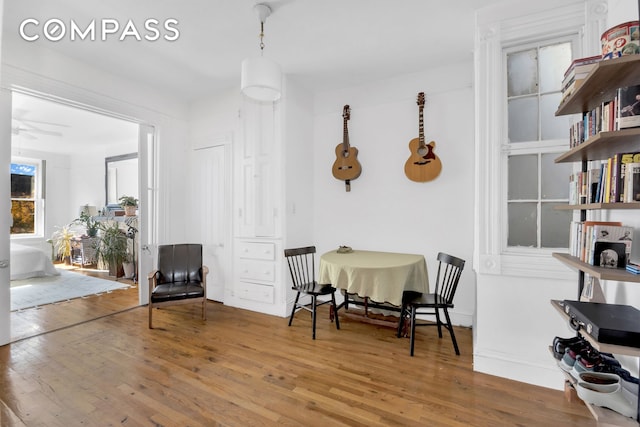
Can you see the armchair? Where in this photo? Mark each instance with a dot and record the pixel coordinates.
(179, 279)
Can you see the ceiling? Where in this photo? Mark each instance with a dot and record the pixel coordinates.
(323, 44)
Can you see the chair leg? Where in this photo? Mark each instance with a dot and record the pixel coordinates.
(413, 328)
(150, 315)
(453, 335)
(293, 310)
(335, 309)
(439, 323)
(313, 314)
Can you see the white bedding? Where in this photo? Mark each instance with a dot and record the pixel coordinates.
(27, 261)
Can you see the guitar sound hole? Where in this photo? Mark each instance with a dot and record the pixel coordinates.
(422, 151)
(345, 154)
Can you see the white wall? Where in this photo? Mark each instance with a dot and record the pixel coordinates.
(385, 210)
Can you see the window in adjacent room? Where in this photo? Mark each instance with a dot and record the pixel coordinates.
(27, 202)
(535, 183)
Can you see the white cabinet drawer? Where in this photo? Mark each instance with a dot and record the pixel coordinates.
(255, 292)
(258, 250)
(257, 270)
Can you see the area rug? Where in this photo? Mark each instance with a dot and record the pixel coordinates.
(38, 291)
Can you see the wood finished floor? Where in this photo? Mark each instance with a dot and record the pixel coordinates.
(241, 368)
(50, 317)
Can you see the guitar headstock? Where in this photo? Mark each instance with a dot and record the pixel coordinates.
(346, 112)
(420, 100)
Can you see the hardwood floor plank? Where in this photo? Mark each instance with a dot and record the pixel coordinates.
(242, 368)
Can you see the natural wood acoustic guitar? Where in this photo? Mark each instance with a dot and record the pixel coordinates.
(423, 165)
(346, 167)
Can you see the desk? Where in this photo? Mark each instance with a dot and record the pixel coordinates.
(381, 277)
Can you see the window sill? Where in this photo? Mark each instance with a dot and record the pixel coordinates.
(539, 265)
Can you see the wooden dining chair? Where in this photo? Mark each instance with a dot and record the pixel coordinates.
(301, 263)
(413, 303)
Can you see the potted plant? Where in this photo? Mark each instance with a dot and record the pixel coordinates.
(111, 247)
(128, 267)
(87, 220)
(61, 241)
(129, 204)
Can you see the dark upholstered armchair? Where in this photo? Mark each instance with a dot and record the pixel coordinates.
(180, 278)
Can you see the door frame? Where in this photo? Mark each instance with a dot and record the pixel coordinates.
(43, 87)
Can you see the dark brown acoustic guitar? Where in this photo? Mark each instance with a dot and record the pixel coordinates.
(346, 167)
(423, 165)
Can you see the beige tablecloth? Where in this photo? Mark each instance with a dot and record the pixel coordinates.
(380, 276)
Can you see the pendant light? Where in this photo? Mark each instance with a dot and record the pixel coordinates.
(261, 78)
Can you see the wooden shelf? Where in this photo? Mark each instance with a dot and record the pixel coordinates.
(595, 206)
(603, 145)
(601, 84)
(601, 273)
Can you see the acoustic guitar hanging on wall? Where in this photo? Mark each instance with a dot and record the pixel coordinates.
(346, 167)
(423, 165)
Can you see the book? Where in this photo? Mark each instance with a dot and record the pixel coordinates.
(581, 62)
(628, 107)
(621, 161)
(593, 178)
(585, 230)
(632, 182)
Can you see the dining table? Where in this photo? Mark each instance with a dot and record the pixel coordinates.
(373, 279)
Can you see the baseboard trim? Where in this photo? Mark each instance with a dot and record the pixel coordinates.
(518, 370)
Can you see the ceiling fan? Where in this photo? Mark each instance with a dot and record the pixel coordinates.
(25, 128)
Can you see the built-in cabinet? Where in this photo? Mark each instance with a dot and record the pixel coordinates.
(266, 186)
(598, 87)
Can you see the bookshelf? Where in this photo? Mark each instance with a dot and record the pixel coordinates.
(598, 87)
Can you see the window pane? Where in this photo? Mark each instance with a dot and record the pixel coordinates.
(523, 119)
(23, 186)
(554, 61)
(552, 127)
(523, 224)
(555, 226)
(555, 177)
(23, 212)
(522, 73)
(523, 177)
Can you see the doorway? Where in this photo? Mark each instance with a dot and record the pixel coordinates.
(70, 144)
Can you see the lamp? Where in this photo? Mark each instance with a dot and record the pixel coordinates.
(261, 78)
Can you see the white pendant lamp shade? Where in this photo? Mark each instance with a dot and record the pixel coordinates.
(261, 79)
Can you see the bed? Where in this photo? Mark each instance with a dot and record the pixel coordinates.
(27, 261)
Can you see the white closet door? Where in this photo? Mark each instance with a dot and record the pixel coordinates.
(211, 202)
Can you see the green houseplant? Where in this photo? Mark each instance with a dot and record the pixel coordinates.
(90, 224)
(129, 204)
(111, 246)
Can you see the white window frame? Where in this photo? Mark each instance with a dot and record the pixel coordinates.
(540, 147)
(39, 197)
(500, 28)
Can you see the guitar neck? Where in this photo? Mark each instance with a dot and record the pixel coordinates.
(345, 136)
(421, 126)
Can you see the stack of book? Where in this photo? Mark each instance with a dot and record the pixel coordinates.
(633, 267)
(602, 243)
(622, 112)
(576, 73)
(614, 180)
